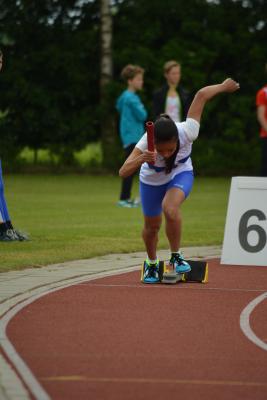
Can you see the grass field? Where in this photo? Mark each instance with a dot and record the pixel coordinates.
(72, 217)
(90, 156)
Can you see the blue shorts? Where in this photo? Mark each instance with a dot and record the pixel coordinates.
(152, 196)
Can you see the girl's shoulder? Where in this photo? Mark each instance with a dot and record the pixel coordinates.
(181, 133)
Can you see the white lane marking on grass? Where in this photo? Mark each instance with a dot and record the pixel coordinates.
(25, 375)
(245, 324)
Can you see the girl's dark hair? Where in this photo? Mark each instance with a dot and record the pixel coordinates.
(164, 131)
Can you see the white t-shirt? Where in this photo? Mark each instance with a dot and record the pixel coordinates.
(188, 132)
(173, 108)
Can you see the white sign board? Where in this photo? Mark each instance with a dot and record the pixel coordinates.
(245, 234)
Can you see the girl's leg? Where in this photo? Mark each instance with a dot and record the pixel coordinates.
(151, 199)
(150, 235)
(171, 208)
(173, 220)
(178, 189)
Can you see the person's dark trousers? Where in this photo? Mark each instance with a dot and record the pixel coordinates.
(264, 157)
(127, 183)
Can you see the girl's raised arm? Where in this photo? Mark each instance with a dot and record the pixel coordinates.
(207, 93)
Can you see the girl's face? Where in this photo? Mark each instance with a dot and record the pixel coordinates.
(137, 82)
(166, 149)
(174, 75)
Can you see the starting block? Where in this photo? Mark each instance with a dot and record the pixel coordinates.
(198, 273)
(168, 275)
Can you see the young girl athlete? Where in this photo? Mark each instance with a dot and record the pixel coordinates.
(166, 177)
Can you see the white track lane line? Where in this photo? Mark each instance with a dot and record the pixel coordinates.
(24, 373)
(245, 325)
(179, 286)
(27, 376)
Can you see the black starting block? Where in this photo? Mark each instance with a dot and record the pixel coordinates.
(198, 273)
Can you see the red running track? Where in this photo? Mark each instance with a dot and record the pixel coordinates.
(115, 338)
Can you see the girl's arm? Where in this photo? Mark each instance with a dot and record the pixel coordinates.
(207, 93)
(135, 160)
(261, 117)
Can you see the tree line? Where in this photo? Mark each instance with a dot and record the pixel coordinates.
(51, 96)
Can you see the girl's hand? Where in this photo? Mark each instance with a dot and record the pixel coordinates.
(229, 85)
(149, 156)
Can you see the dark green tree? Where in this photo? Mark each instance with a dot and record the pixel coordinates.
(51, 74)
(50, 83)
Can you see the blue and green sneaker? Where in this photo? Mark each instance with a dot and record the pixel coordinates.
(179, 263)
(151, 272)
(127, 204)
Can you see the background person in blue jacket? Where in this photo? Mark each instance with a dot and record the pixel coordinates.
(132, 119)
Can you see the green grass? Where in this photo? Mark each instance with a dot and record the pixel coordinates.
(72, 217)
(91, 155)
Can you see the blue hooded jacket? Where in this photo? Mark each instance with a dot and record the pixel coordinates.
(132, 117)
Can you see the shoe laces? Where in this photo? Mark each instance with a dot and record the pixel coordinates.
(177, 258)
(21, 236)
(151, 269)
(11, 233)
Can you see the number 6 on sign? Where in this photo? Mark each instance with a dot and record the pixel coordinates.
(245, 229)
(245, 235)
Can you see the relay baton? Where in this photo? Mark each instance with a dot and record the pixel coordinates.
(150, 136)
